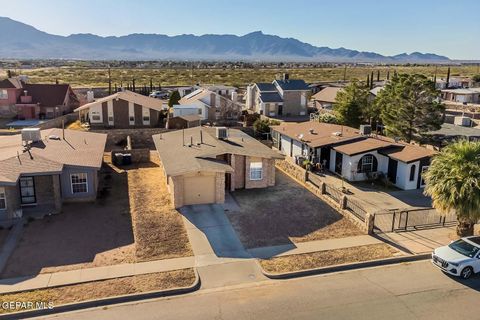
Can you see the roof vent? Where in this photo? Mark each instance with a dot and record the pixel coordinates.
(53, 137)
(311, 131)
(337, 134)
(221, 133)
(31, 135)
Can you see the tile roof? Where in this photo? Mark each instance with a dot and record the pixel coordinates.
(149, 102)
(84, 149)
(178, 157)
(266, 86)
(317, 134)
(328, 94)
(292, 84)
(270, 97)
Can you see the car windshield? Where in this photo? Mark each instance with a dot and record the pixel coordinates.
(464, 248)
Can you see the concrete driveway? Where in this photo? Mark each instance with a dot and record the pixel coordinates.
(211, 233)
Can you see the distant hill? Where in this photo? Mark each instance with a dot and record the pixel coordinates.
(23, 41)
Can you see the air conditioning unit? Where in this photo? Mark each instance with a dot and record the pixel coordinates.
(221, 133)
(365, 129)
(31, 135)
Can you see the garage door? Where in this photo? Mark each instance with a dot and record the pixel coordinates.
(199, 189)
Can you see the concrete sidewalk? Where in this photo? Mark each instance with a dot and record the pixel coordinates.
(312, 246)
(47, 280)
(421, 241)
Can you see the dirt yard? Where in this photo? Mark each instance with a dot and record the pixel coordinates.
(85, 235)
(157, 226)
(286, 213)
(131, 221)
(327, 258)
(106, 288)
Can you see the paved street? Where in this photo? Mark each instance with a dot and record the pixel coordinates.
(407, 291)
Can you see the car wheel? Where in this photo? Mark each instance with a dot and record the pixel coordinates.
(466, 272)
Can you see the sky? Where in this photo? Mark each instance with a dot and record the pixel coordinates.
(388, 27)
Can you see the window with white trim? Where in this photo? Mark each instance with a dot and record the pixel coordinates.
(256, 171)
(3, 199)
(367, 163)
(3, 94)
(79, 182)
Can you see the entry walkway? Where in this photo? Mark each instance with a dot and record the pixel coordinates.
(46, 280)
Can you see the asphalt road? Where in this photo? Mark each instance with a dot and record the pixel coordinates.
(407, 291)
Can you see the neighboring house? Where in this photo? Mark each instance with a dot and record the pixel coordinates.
(281, 98)
(184, 121)
(203, 163)
(351, 154)
(41, 169)
(326, 98)
(471, 95)
(212, 106)
(450, 132)
(35, 101)
(453, 83)
(225, 91)
(124, 109)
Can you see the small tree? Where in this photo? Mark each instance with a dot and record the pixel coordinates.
(448, 78)
(476, 78)
(327, 118)
(174, 98)
(261, 126)
(350, 104)
(409, 107)
(453, 182)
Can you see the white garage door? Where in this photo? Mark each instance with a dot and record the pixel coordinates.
(199, 189)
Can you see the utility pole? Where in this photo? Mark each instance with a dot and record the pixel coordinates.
(109, 81)
(345, 73)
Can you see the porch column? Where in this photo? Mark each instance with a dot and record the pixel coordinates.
(232, 175)
(57, 193)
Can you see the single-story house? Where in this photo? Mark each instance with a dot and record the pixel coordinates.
(184, 121)
(470, 95)
(41, 169)
(203, 163)
(123, 110)
(354, 155)
(326, 98)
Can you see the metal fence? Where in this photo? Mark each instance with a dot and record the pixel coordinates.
(355, 208)
(404, 220)
(333, 193)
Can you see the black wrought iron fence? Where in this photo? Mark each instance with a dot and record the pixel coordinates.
(403, 220)
(355, 208)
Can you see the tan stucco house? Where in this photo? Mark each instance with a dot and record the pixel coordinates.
(201, 163)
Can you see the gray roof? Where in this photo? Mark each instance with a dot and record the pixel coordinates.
(451, 130)
(266, 86)
(48, 156)
(292, 84)
(178, 157)
(270, 97)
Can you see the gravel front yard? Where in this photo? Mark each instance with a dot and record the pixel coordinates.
(286, 213)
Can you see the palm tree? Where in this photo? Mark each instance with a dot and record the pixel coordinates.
(453, 182)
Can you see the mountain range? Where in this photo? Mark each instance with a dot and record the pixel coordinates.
(22, 41)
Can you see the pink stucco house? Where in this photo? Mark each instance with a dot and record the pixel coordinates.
(35, 101)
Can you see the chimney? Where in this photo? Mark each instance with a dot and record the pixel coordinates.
(285, 77)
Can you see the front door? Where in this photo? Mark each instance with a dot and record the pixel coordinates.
(338, 162)
(27, 190)
(280, 110)
(392, 170)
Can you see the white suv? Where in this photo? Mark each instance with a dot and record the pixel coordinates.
(460, 258)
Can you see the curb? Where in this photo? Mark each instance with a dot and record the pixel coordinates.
(105, 301)
(344, 267)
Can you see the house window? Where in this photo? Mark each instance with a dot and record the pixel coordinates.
(3, 199)
(131, 119)
(412, 172)
(366, 164)
(200, 111)
(79, 182)
(256, 171)
(110, 119)
(3, 94)
(146, 119)
(96, 118)
(27, 190)
(422, 181)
